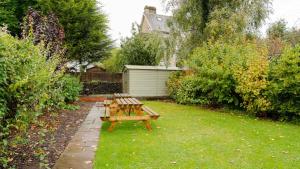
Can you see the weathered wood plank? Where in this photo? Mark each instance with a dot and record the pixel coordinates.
(137, 101)
(152, 113)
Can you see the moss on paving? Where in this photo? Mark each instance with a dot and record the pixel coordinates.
(190, 137)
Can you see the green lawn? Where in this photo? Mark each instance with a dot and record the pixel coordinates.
(191, 137)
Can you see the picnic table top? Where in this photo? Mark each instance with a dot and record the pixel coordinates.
(128, 101)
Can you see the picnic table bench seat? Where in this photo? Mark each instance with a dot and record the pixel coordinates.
(152, 113)
(104, 116)
(107, 102)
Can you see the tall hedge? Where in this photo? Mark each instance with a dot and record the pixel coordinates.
(242, 75)
(28, 86)
(284, 76)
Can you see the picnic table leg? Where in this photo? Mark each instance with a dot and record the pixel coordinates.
(112, 126)
(139, 111)
(148, 126)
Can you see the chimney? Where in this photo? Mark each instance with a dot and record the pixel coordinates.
(150, 10)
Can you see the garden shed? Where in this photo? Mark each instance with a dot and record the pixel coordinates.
(146, 81)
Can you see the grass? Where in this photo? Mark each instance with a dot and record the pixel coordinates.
(190, 137)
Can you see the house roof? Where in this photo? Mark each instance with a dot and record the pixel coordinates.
(158, 22)
(142, 67)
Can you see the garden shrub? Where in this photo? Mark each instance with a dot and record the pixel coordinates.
(66, 89)
(284, 89)
(213, 65)
(242, 75)
(173, 83)
(251, 82)
(26, 80)
(190, 92)
(71, 88)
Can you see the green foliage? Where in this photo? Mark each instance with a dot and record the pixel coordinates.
(190, 92)
(284, 76)
(85, 27)
(196, 21)
(279, 35)
(30, 83)
(140, 49)
(12, 13)
(224, 25)
(251, 81)
(240, 74)
(292, 36)
(174, 83)
(277, 29)
(84, 23)
(71, 88)
(213, 78)
(114, 63)
(26, 76)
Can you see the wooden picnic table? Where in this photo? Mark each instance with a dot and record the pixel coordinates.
(124, 109)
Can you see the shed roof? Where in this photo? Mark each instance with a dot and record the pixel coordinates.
(142, 67)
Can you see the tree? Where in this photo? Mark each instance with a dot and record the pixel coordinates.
(46, 30)
(277, 29)
(279, 35)
(293, 36)
(140, 49)
(196, 21)
(85, 27)
(114, 63)
(12, 13)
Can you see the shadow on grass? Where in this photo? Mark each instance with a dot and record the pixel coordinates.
(128, 126)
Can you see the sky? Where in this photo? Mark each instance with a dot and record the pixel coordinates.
(122, 13)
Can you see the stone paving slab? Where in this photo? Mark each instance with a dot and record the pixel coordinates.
(80, 152)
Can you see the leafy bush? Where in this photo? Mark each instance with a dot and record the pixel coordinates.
(213, 66)
(190, 92)
(66, 89)
(30, 83)
(251, 82)
(284, 76)
(174, 83)
(241, 75)
(71, 88)
(114, 63)
(26, 77)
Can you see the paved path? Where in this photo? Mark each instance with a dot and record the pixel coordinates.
(80, 152)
